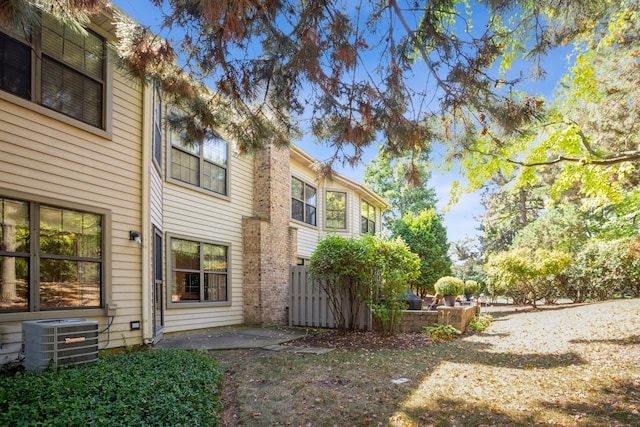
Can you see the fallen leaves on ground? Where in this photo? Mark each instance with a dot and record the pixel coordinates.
(570, 365)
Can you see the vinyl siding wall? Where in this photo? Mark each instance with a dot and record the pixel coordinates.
(309, 236)
(50, 160)
(198, 216)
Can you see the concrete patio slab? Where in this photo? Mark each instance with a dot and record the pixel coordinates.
(232, 338)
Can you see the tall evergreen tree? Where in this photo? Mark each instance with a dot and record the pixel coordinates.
(402, 182)
(427, 237)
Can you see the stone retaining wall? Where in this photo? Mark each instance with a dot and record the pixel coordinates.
(458, 317)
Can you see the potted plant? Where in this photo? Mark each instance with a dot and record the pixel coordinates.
(470, 288)
(449, 287)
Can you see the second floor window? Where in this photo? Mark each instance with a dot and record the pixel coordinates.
(201, 164)
(367, 218)
(66, 73)
(303, 201)
(336, 210)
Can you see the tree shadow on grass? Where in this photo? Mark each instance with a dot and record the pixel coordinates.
(479, 353)
(495, 334)
(464, 411)
(632, 340)
(612, 410)
(617, 404)
(460, 412)
(501, 311)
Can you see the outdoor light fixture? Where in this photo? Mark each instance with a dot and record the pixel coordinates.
(135, 325)
(135, 236)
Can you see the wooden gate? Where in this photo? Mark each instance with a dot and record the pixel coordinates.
(309, 304)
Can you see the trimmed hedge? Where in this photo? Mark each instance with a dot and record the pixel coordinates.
(449, 285)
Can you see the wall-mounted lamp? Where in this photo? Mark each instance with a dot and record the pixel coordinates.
(135, 325)
(135, 236)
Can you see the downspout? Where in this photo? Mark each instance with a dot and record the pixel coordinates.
(147, 233)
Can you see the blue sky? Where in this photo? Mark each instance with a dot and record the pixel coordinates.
(461, 219)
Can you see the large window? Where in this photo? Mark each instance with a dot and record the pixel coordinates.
(50, 257)
(65, 73)
(367, 218)
(199, 271)
(202, 163)
(303, 201)
(336, 210)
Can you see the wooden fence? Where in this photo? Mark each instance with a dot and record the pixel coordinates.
(309, 304)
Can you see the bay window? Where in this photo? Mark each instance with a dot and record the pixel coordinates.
(303, 201)
(367, 218)
(336, 210)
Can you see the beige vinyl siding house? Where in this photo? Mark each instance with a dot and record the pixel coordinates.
(194, 215)
(342, 218)
(58, 166)
(106, 216)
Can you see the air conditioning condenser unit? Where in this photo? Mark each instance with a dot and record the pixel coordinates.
(56, 343)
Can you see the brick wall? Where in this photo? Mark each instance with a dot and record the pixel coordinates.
(458, 317)
(268, 245)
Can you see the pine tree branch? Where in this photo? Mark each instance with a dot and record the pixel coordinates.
(423, 52)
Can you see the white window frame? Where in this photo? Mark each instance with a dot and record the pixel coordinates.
(305, 220)
(345, 211)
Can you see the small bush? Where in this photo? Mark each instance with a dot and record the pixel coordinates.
(159, 387)
(471, 287)
(480, 323)
(440, 332)
(527, 275)
(448, 285)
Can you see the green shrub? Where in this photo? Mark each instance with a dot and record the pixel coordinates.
(344, 268)
(471, 287)
(396, 266)
(440, 332)
(449, 285)
(527, 275)
(480, 323)
(426, 235)
(156, 387)
(602, 268)
(368, 270)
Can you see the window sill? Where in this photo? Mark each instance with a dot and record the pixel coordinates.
(303, 224)
(53, 314)
(106, 134)
(188, 305)
(198, 189)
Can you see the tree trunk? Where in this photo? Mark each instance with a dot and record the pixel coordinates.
(523, 207)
